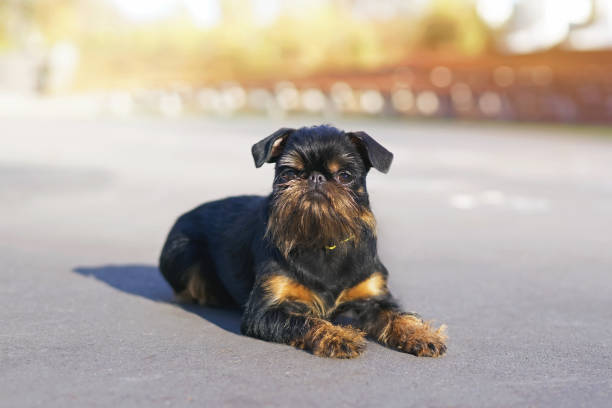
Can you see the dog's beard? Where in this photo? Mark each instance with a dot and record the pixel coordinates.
(302, 218)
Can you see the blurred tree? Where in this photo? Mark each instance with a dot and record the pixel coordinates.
(4, 35)
(304, 37)
(57, 20)
(453, 25)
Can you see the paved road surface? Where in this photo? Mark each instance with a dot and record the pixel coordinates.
(502, 233)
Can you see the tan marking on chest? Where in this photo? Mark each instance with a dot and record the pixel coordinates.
(281, 288)
(373, 286)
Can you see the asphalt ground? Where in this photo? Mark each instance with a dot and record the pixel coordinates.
(502, 232)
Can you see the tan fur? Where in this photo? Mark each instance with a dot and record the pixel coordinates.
(367, 218)
(410, 334)
(373, 286)
(196, 288)
(333, 167)
(281, 288)
(298, 218)
(277, 146)
(327, 340)
(293, 160)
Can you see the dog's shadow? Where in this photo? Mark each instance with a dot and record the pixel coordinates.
(146, 281)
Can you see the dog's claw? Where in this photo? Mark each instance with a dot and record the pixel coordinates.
(339, 342)
(412, 336)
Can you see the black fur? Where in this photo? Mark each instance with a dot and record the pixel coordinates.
(238, 246)
(262, 150)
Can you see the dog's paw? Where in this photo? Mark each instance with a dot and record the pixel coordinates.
(339, 342)
(328, 340)
(411, 335)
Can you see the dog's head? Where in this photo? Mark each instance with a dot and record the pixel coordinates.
(319, 193)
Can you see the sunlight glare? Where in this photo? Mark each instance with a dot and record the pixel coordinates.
(495, 12)
(145, 10)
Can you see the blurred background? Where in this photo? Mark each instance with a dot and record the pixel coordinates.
(116, 116)
(511, 60)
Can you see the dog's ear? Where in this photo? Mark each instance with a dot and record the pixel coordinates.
(373, 154)
(270, 148)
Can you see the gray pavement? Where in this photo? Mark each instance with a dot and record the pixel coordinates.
(501, 232)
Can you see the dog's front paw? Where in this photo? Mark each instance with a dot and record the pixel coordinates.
(411, 335)
(328, 340)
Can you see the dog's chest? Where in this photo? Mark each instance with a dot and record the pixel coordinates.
(325, 280)
(322, 301)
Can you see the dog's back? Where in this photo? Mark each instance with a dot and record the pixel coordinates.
(207, 255)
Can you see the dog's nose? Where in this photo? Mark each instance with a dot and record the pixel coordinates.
(316, 178)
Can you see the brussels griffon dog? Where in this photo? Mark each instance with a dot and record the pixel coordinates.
(298, 259)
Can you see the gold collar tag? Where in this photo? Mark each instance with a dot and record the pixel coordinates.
(333, 246)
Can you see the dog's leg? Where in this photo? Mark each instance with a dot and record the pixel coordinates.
(308, 333)
(188, 267)
(283, 311)
(384, 321)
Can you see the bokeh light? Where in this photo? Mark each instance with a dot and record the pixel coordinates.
(427, 103)
(403, 100)
(491, 59)
(495, 12)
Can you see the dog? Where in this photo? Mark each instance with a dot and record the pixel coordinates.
(301, 259)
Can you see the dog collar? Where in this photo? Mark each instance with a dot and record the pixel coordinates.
(333, 246)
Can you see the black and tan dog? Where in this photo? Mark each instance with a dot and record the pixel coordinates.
(298, 259)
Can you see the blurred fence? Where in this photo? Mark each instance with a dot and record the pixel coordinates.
(563, 87)
(559, 87)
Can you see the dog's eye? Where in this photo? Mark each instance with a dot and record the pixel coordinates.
(288, 175)
(345, 177)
